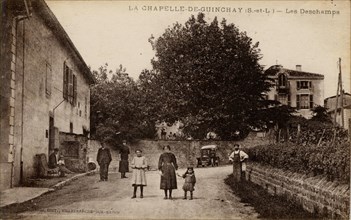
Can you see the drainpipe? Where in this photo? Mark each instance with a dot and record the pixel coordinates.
(18, 19)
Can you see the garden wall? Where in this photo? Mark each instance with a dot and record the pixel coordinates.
(315, 194)
(186, 151)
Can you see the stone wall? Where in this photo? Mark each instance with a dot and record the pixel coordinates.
(315, 194)
(74, 149)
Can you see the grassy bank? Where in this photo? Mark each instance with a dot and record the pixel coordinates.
(268, 206)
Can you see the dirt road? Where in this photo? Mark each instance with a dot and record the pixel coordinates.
(86, 198)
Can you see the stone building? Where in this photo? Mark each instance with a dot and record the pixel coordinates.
(45, 89)
(330, 104)
(296, 88)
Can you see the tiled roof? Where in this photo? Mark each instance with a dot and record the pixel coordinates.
(274, 70)
(331, 97)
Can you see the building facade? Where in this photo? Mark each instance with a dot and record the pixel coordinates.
(296, 88)
(45, 88)
(330, 104)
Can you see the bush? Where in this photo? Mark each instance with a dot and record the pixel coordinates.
(327, 159)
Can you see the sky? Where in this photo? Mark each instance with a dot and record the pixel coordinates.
(290, 33)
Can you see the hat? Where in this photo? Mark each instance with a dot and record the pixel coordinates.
(56, 149)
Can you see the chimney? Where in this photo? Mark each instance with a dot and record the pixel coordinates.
(298, 67)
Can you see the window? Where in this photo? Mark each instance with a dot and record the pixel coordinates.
(303, 101)
(283, 99)
(304, 84)
(65, 81)
(289, 100)
(86, 107)
(48, 79)
(70, 127)
(69, 85)
(311, 101)
(282, 82)
(74, 98)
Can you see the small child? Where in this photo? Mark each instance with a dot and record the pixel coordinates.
(189, 183)
(139, 166)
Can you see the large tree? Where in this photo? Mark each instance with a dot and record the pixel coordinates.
(209, 77)
(118, 108)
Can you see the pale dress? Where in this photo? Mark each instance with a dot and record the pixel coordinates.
(139, 166)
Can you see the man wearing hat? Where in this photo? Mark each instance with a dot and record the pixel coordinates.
(104, 159)
(238, 158)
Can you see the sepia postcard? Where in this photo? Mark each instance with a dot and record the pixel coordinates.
(54, 52)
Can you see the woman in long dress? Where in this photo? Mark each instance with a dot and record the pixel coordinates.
(168, 165)
(139, 166)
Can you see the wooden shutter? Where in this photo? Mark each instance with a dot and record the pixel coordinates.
(65, 80)
(311, 101)
(74, 90)
(298, 85)
(70, 86)
(48, 79)
(298, 101)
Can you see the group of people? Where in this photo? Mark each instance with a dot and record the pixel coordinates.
(167, 167)
(104, 159)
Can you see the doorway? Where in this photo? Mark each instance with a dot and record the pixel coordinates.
(51, 135)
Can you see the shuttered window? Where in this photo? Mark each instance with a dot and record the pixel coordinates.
(69, 85)
(289, 100)
(48, 79)
(74, 90)
(311, 101)
(303, 85)
(298, 101)
(65, 81)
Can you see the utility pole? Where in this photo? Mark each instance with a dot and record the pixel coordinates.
(339, 88)
(341, 96)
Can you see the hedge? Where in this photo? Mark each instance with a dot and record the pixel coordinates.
(331, 160)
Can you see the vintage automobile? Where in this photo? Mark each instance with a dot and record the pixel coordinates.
(208, 156)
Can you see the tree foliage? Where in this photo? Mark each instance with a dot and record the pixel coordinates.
(207, 75)
(117, 107)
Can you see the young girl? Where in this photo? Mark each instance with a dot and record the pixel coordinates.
(139, 167)
(189, 183)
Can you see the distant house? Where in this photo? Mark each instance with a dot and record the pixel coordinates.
(45, 90)
(172, 132)
(296, 88)
(330, 104)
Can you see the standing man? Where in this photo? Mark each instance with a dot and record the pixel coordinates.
(123, 163)
(238, 158)
(104, 159)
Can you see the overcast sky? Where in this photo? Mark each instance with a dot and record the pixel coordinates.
(117, 32)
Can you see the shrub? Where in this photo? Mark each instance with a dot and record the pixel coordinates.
(327, 159)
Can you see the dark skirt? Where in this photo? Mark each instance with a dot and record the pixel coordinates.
(188, 187)
(123, 166)
(168, 177)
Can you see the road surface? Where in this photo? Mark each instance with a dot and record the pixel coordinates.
(87, 198)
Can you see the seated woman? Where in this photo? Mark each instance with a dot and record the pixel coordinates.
(56, 160)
